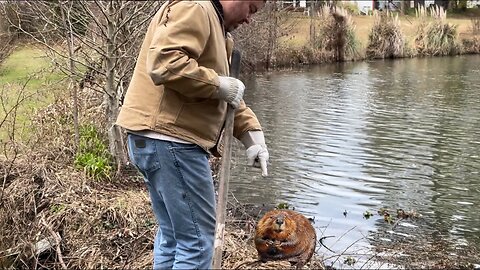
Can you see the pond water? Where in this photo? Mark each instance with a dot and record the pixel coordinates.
(348, 138)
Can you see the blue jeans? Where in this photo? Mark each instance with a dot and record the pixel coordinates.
(179, 180)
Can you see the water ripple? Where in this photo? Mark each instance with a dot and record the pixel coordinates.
(356, 137)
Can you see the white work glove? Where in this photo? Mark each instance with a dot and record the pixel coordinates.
(231, 90)
(257, 153)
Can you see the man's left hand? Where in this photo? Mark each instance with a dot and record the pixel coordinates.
(257, 156)
(257, 153)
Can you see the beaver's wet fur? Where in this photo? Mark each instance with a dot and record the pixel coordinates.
(285, 235)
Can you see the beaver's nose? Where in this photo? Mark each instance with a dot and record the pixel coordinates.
(279, 221)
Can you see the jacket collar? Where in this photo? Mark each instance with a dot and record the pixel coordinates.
(219, 9)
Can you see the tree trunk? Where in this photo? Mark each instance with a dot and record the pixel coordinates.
(65, 13)
(442, 3)
(272, 39)
(405, 5)
(419, 3)
(115, 138)
(313, 37)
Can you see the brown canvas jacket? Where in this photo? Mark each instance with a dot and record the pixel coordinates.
(184, 51)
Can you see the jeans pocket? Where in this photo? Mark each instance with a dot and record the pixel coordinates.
(189, 149)
(190, 156)
(142, 152)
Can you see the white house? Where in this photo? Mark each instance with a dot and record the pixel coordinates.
(294, 3)
(473, 3)
(365, 6)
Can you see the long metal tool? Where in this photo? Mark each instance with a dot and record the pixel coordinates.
(225, 171)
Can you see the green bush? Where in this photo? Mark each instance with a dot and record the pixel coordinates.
(93, 156)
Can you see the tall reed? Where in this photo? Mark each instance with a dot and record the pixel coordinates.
(475, 25)
(336, 33)
(435, 36)
(386, 39)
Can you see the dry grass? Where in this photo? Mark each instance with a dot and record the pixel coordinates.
(436, 37)
(53, 216)
(299, 36)
(335, 32)
(386, 38)
(291, 57)
(307, 40)
(471, 46)
(475, 25)
(98, 225)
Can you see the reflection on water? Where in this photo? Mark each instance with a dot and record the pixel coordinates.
(361, 136)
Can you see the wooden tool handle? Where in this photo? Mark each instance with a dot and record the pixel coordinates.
(225, 171)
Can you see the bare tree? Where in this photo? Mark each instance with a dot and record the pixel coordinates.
(101, 40)
(259, 41)
(6, 38)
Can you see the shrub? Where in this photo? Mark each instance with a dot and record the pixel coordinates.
(475, 25)
(42, 19)
(336, 33)
(259, 41)
(93, 155)
(436, 37)
(7, 40)
(471, 46)
(386, 39)
(293, 57)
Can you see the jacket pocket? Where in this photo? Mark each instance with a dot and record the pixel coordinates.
(203, 119)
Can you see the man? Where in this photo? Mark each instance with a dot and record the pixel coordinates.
(174, 111)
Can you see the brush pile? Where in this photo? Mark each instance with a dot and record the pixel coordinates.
(55, 216)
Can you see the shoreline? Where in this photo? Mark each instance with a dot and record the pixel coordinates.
(305, 40)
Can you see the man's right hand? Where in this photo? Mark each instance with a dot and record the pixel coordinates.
(231, 90)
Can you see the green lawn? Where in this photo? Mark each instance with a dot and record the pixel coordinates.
(30, 67)
(27, 62)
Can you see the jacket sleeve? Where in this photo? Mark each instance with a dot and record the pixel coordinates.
(245, 120)
(180, 38)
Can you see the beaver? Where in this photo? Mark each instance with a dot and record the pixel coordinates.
(285, 235)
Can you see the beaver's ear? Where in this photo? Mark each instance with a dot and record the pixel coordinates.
(312, 220)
